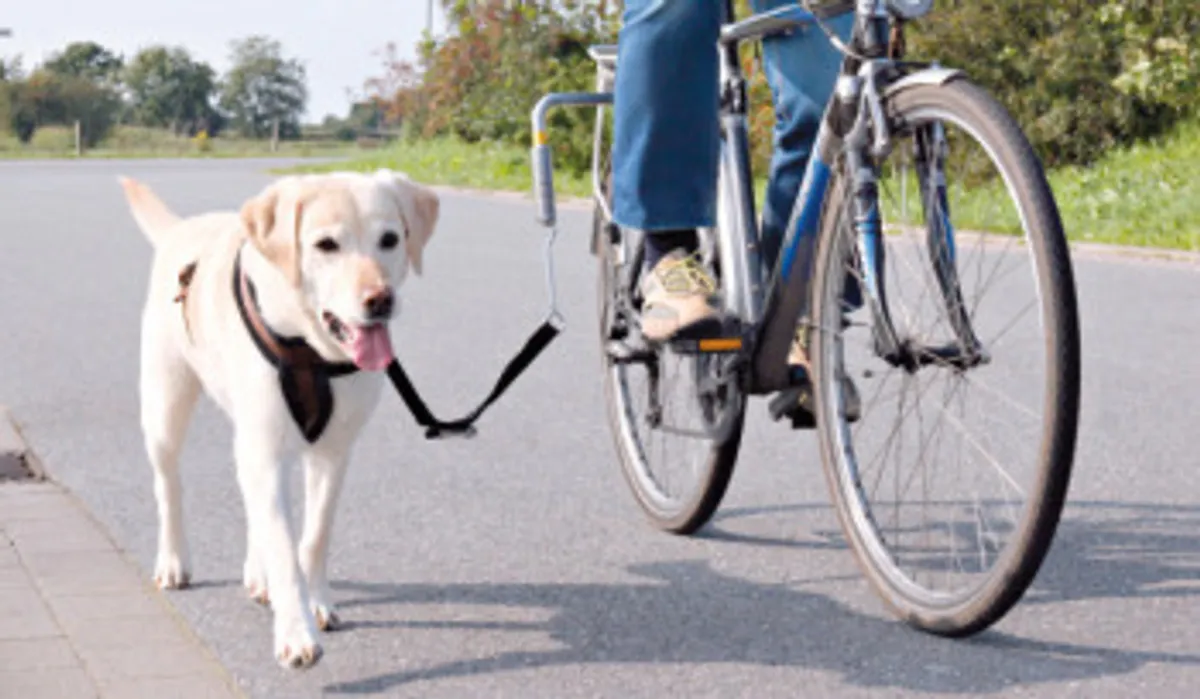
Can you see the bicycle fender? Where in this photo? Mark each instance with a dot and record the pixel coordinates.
(925, 76)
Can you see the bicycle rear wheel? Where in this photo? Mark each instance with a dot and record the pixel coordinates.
(951, 563)
(677, 441)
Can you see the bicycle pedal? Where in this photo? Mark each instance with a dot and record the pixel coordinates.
(710, 337)
(786, 404)
(708, 345)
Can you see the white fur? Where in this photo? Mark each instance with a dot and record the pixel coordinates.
(214, 353)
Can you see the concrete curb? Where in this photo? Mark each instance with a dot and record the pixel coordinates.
(17, 460)
(1127, 251)
(74, 577)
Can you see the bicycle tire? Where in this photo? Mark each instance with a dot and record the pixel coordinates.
(695, 511)
(1016, 568)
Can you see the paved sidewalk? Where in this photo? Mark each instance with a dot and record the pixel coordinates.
(78, 619)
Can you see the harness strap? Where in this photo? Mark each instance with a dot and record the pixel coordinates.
(465, 426)
(185, 283)
(303, 373)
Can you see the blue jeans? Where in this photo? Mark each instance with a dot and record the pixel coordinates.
(665, 106)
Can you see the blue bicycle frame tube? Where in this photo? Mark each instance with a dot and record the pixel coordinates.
(787, 292)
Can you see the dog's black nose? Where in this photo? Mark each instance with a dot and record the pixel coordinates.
(380, 304)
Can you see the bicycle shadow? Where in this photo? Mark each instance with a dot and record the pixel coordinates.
(689, 613)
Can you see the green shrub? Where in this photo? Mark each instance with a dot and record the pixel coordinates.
(1081, 76)
(56, 139)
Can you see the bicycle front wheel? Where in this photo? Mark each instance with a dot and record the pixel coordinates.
(950, 484)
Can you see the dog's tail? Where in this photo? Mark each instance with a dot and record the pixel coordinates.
(151, 214)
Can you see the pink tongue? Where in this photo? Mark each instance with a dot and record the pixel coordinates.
(372, 348)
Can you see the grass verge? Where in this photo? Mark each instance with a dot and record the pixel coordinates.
(1146, 195)
(452, 162)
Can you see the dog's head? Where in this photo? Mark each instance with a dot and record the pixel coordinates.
(345, 243)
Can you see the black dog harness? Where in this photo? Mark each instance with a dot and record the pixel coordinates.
(304, 375)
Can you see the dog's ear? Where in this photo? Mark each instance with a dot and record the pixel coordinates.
(276, 234)
(427, 206)
(421, 206)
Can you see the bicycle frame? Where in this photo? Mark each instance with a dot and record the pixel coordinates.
(853, 125)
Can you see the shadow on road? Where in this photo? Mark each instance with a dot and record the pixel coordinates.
(1122, 550)
(1102, 549)
(689, 613)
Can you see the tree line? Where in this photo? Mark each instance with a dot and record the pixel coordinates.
(160, 86)
(1081, 76)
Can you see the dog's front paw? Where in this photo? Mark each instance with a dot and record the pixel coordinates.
(254, 578)
(296, 644)
(326, 616)
(171, 571)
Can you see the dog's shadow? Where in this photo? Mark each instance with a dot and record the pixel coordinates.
(687, 612)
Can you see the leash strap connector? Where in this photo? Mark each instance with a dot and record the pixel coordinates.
(436, 432)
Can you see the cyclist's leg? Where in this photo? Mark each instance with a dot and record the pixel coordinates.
(801, 70)
(666, 149)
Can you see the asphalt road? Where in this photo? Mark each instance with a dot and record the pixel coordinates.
(517, 564)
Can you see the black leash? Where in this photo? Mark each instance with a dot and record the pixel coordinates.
(538, 341)
(465, 426)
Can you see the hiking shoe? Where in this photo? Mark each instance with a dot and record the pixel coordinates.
(677, 295)
(798, 355)
(799, 403)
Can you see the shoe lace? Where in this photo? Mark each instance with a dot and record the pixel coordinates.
(688, 275)
(801, 339)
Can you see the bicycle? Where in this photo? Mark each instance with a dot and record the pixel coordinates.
(837, 278)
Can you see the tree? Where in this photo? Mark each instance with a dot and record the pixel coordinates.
(263, 87)
(87, 60)
(10, 73)
(396, 93)
(50, 98)
(20, 110)
(170, 89)
(11, 69)
(499, 57)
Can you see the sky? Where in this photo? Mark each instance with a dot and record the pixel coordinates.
(336, 40)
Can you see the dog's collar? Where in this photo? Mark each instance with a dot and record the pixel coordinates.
(303, 373)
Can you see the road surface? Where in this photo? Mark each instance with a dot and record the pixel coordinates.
(517, 564)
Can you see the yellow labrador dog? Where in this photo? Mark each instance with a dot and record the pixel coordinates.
(280, 314)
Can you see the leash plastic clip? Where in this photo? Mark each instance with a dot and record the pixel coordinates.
(436, 432)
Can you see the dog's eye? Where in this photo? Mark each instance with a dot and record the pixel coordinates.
(327, 245)
(389, 240)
